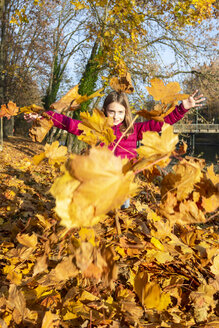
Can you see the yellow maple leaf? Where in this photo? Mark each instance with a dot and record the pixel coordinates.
(31, 109)
(96, 128)
(54, 153)
(122, 84)
(156, 149)
(168, 95)
(211, 203)
(40, 128)
(150, 294)
(156, 145)
(165, 93)
(186, 175)
(72, 99)
(9, 110)
(91, 186)
(210, 174)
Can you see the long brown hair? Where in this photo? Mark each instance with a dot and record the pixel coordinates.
(122, 99)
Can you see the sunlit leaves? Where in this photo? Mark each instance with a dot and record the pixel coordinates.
(96, 128)
(94, 185)
(40, 128)
(9, 110)
(168, 95)
(122, 84)
(54, 153)
(156, 149)
(72, 99)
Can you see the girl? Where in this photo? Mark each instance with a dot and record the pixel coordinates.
(116, 105)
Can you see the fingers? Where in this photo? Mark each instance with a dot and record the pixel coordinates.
(200, 100)
(194, 93)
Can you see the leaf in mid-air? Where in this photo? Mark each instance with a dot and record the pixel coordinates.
(72, 100)
(156, 148)
(96, 128)
(9, 110)
(40, 128)
(122, 84)
(168, 95)
(91, 186)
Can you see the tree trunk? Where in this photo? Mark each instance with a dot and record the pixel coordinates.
(87, 86)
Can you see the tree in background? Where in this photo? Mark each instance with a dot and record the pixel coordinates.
(206, 79)
(24, 54)
(68, 39)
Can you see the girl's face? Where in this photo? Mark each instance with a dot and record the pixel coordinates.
(116, 111)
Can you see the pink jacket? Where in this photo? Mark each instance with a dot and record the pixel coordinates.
(127, 146)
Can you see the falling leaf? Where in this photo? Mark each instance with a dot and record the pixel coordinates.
(32, 109)
(122, 84)
(72, 100)
(165, 93)
(185, 175)
(9, 110)
(156, 149)
(96, 128)
(40, 128)
(95, 185)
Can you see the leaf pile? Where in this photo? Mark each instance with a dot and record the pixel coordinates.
(160, 270)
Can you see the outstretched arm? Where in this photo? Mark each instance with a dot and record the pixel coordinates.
(59, 120)
(176, 115)
(65, 123)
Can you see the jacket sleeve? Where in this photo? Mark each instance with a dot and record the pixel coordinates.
(65, 123)
(176, 115)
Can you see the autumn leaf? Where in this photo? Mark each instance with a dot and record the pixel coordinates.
(96, 128)
(32, 109)
(183, 178)
(156, 149)
(94, 185)
(150, 294)
(50, 320)
(40, 128)
(54, 153)
(122, 84)
(26, 240)
(167, 94)
(63, 271)
(72, 100)
(9, 110)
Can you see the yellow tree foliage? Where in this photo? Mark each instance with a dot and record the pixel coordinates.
(120, 25)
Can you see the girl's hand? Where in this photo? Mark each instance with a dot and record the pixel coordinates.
(193, 101)
(31, 117)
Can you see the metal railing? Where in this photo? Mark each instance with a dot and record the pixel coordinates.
(196, 128)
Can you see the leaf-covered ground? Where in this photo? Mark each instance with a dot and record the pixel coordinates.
(133, 269)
